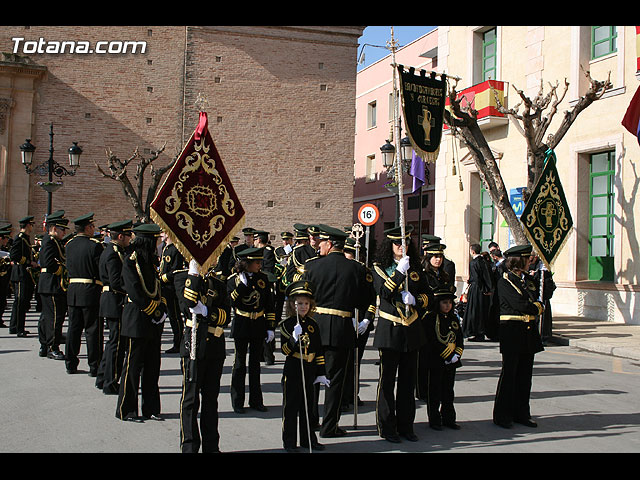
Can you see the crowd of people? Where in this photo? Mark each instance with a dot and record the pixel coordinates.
(315, 290)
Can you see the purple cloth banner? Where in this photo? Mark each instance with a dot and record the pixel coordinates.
(417, 172)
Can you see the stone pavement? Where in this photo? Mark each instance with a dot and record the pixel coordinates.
(617, 339)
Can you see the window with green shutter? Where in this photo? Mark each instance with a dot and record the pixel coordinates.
(489, 55)
(486, 219)
(601, 218)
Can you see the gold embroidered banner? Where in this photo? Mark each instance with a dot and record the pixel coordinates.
(197, 205)
(546, 217)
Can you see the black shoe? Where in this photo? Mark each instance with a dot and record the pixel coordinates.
(503, 424)
(55, 355)
(477, 338)
(93, 373)
(157, 418)
(392, 438)
(239, 409)
(259, 408)
(436, 426)
(72, 371)
(527, 423)
(112, 390)
(173, 350)
(292, 449)
(338, 432)
(132, 417)
(43, 351)
(452, 425)
(314, 446)
(23, 334)
(412, 437)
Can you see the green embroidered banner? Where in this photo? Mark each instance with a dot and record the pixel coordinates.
(546, 217)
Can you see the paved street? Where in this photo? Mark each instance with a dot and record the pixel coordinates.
(583, 402)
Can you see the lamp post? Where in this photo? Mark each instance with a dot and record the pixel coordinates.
(50, 167)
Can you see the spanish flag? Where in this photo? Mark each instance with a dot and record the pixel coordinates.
(631, 120)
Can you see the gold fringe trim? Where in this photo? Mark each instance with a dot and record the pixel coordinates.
(213, 257)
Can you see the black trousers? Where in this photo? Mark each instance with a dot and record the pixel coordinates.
(84, 319)
(440, 395)
(54, 309)
(514, 388)
(201, 394)
(336, 364)
(350, 383)
(395, 403)
(112, 358)
(175, 317)
(141, 370)
(254, 347)
(294, 409)
(23, 292)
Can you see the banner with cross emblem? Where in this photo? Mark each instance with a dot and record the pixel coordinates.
(423, 100)
(546, 217)
(197, 206)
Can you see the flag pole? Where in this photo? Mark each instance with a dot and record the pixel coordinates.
(398, 162)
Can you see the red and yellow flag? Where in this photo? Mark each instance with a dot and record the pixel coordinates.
(197, 206)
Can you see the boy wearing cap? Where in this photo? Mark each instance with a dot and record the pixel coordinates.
(254, 322)
(445, 345)
(299, 333)
(519, 339)
(21, 256)
(52, 287)
(111, 304)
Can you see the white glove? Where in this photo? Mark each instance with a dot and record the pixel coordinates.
(194, 268)
(297, 331)
(322, 380)
(288, 249)
(158, 322)
(270, 336)
(199, 309)
(407, 298)
(362, 326)
(403, 265)
(454, 359)
(243, 277)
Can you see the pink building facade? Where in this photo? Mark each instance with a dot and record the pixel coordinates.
(374, 126)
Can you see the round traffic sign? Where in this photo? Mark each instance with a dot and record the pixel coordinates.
(368, 214)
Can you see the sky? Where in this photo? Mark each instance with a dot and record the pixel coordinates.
(380, 35)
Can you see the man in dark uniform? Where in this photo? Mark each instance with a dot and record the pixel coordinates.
(21, 256)
(5, 271)
(261, 240)
(249, 237)
(301, 252)
(340, 290)
(519, 339)
(170, 261)
(253, 322)
(206, 298)
(83, 295)
(223, 268)
(52, 287)
(282, 254)
(143, 317)
(111, 304)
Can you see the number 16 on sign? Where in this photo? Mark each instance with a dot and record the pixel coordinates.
(368, 214)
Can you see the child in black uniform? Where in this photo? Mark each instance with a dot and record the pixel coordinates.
(445, 346)
(300, 332)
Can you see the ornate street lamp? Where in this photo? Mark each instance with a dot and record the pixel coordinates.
(50, 167)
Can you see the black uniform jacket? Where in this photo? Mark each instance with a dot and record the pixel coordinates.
(340, 287)
(83, 259)
(253, 304)
(312, 351)
(518, 310)
(395, 329)
(110, 268)
(21, 255)
(53, 270)
(211, 292)
(144, 302)
(295, 265)
(171, 261)
(444, 338)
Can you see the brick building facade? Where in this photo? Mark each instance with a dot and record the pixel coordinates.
(280, 106)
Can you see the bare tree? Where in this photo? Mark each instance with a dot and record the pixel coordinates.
(117, 170)
(533, 123)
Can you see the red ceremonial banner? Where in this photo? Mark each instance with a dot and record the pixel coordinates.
(197, 206)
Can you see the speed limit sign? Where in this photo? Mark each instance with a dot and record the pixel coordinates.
(368, 214)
